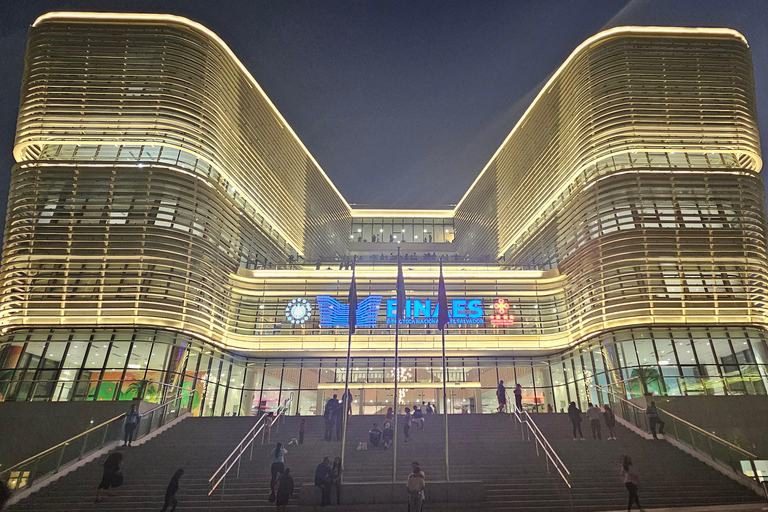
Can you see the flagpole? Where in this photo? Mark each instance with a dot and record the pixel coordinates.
(443, 320)
(397, 372)
(345, 399)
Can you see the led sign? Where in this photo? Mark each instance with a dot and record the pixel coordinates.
(335, 314)
(298, 311)
(462, 311)
(502, 316)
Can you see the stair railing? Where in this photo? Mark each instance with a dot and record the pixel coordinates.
(706, 444)
(529, 427)
(219, 477)
(57, 458)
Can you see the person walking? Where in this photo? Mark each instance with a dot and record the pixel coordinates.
(593, 415)
(328, 416)
(407, 424)
(278, 464)
(415, 487)
(323, 480)
(302, 430)
(653, 419)
(501, 396)
(265, 437)
(112, 475)
(574, 414)
(132, 419)
(284, 490)
(519, 397)
(336, 473)
(170, 492)
(610, 422)
(631, 482)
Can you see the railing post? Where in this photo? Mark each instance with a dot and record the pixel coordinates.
(82, 450)
(33, 473)
(61, 456)
(693, 440)
(104, 439)
(674, 424)
(711, 453)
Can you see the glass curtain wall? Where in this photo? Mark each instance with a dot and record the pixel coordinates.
(103, 365)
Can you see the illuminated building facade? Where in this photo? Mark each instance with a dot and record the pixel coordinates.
(167, 226)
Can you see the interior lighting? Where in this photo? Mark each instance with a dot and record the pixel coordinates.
(663, 362)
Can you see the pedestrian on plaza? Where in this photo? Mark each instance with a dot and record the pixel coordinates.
(631, 482)
(574, 414)
(132, 419)
(112, 475)
(375, 435)
(501, 396)
(338, 419)
(593, 415)
(653, 419)
(549, 408)
(387, 435)
(323, 480)
(170, 492)
(328, 416)
(348, 399)
(415, 487)
(519, 397)
(284, 490)
(407, 424)
(336, 473)
(265, 438)
(302, 430)
(610, 422)
(389, 416)
(277, 456)
(430, 409)
(418, 417)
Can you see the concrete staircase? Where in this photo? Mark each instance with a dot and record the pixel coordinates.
(668, 476)
(483, 447)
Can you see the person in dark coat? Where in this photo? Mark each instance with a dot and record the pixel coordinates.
(113, 474)
(575, 416)
(329, 416)
(170, 492)
(284, 490)
(324, 481)
(610, 422)
(501, 396)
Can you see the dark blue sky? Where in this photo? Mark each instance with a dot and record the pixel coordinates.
(401, 102)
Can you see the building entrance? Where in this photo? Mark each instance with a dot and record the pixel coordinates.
(375, 398)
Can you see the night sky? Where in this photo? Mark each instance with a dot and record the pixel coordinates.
(401, 102)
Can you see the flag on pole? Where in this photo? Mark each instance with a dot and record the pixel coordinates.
(400, 289)
(352, 302)
(442, 302)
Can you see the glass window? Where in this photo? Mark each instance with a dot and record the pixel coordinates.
(118, 355)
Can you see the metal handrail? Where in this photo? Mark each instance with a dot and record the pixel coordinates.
(16, 467)
(546, 448)
(685, 422)
(727, 461)
(241, 447)
(543, 437)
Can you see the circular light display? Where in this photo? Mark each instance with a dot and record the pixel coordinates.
(298, 311)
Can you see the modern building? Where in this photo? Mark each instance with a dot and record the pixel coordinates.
(167, 228)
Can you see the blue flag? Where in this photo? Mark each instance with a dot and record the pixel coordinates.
(352, 302)
(400, 288)
(442, 302)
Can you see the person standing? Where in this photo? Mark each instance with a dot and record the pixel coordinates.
(574, 414)
(610, 422)
(132, 419)
(112, 475)
(415, 487)
(631, 482)
(323, 480)
(501, 396)
(265, 438)
(170, 492)
(653, 419)
(407, 424)
(519, 397)
(284, 490)
(328, 416)
(389, 416)
(430, 409)
(302, 430)
(278, 464)
(348, 400)
(336, 473)
(593, 415)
